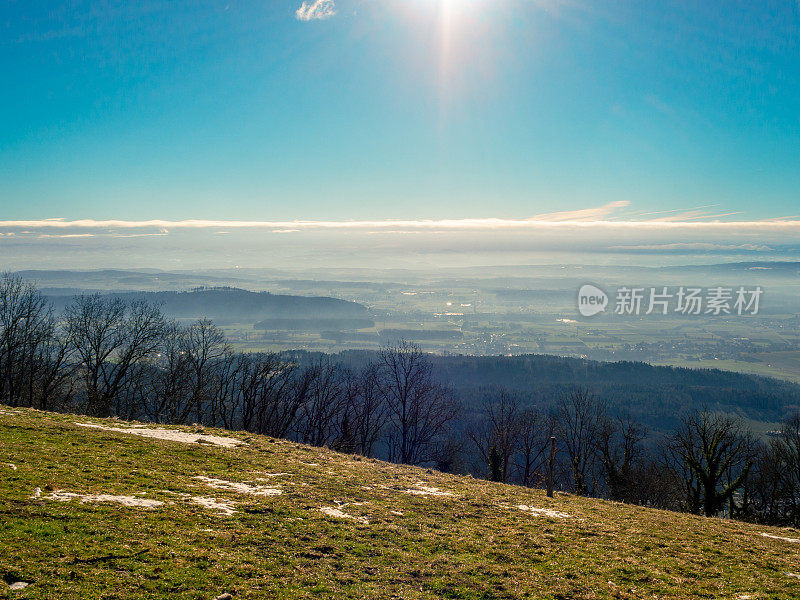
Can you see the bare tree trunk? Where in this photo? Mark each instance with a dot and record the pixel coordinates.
(550, 466)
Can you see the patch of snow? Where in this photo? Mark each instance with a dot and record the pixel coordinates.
(337, 513)
(130, 501)
(18, 585)
(783, 539)
(795, 575)
(242, 488)
(171, 435)
(543, 512)
(396, 512)
(12, 465)
(425, 490)
(222, 507)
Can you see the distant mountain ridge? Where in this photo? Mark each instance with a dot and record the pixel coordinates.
(234, 303)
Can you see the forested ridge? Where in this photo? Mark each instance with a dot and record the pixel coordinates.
(236, 303)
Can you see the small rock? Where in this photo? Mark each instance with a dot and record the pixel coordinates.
(224, 597)
(37, 493)
(18, 585)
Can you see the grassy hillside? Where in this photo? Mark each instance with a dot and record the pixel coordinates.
(121, 513)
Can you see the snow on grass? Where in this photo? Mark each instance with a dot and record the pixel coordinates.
(224, 507)
(425, 490)
(18, 585)
(170, 434)
(221, 506)
(269, 476)
(338, 513)
(242, 488)
(783, 539)
(542, 512)
(129, 501)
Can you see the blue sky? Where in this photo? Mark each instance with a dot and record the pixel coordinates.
(398, 109)
(177, 134)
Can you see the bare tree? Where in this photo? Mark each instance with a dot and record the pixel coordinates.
(169, 381)
(370, 411)
(226, 395)
(774, 487)
(204, 345)
(619, 445)
(344, 437)
(715, 454)
(286, 391)
(579, 415)
(533, 445)
(269, 402)
(110, 336)
(320, 412)
(655, 484)
(51, 383)
(787, 449)
(419, 408)
(34, 365)
(133, 396)
(495, 435)
(763, 489)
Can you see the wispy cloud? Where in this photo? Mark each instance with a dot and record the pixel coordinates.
(66, 235)
(316, 10)
(586, 214)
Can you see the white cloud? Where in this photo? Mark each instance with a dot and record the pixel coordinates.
(316, 10)
(700, 246)
(579, 220)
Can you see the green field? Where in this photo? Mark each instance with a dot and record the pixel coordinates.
(781, 365)
(157, 518)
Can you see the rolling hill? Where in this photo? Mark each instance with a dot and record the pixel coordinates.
(109, 509)
(226, 303)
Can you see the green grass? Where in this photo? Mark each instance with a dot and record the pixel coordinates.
(473, 545)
